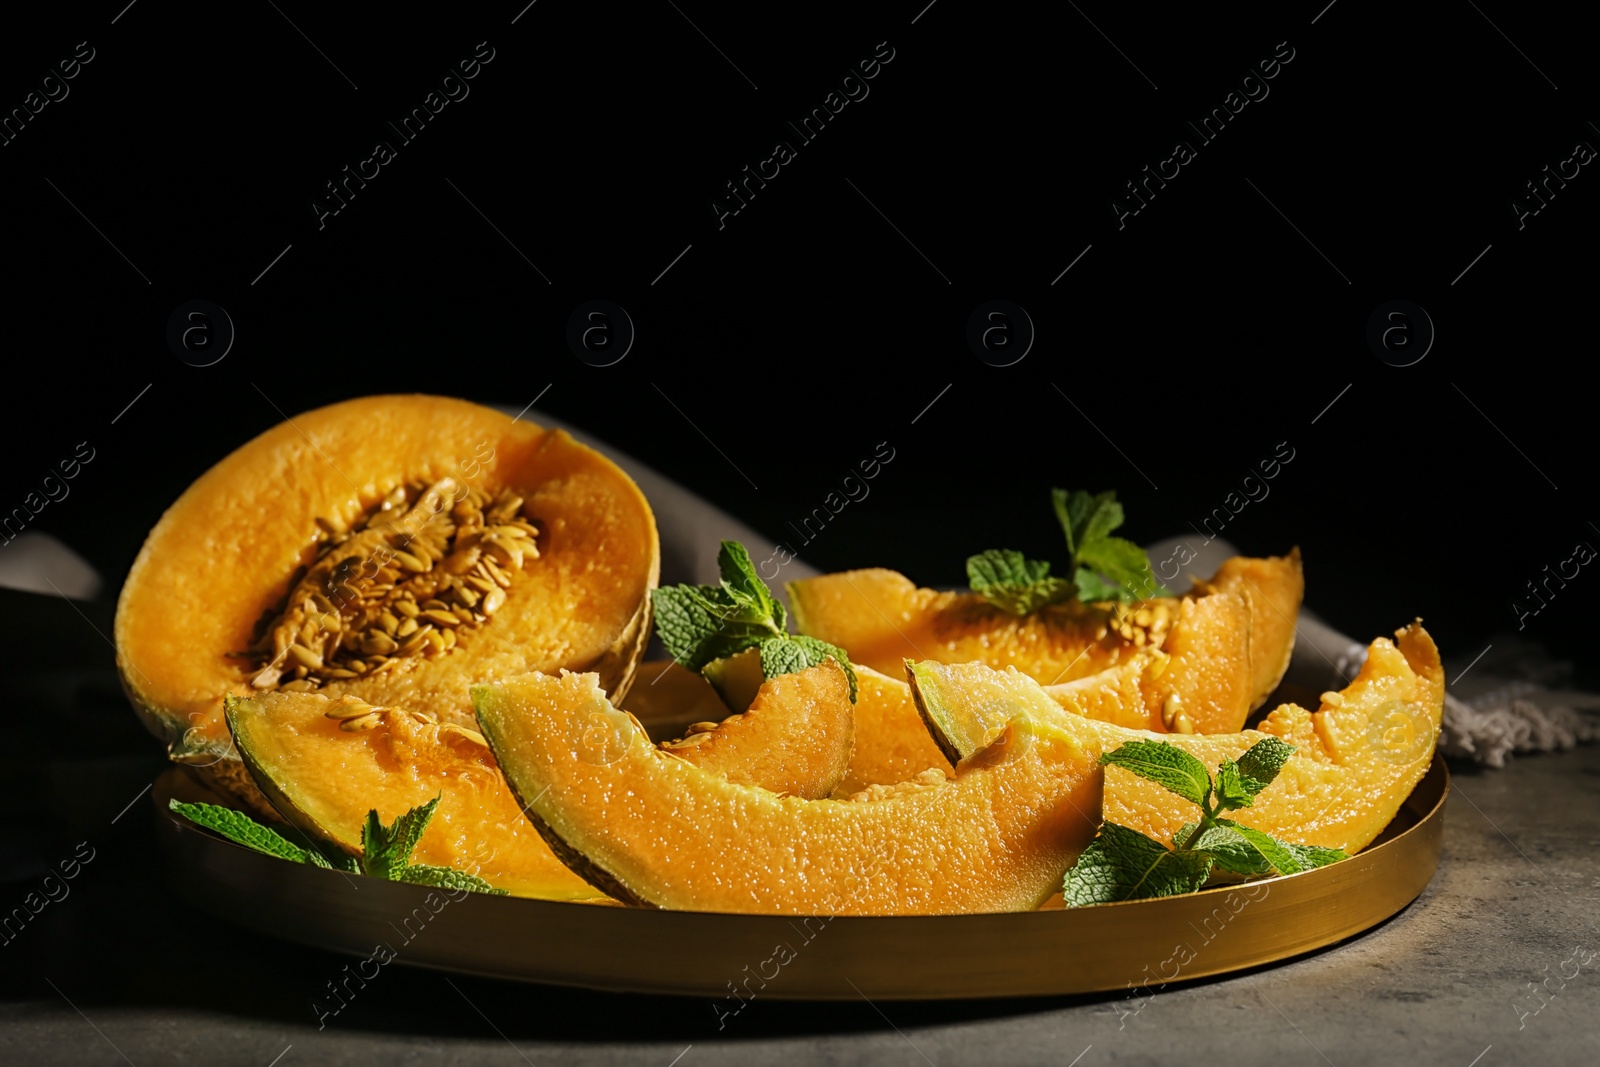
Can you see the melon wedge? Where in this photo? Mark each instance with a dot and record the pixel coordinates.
(668, 698)
(1358, 756)
(1273, 588)
(1239, 633)
(654, 830)
(795, 737)
(324, 779)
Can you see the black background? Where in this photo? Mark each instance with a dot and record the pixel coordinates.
(809, 328)
(1223, 319)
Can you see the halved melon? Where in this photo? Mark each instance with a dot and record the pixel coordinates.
(396, 548)
(881, 619)
(795, 737)
(324, 763)
(655, 830)
(1357, 757)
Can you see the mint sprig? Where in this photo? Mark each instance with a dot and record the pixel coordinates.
(1124, 864)
(1102, 567)
(701, 623)
(386, 850)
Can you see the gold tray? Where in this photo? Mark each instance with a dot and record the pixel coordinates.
(1139, 944)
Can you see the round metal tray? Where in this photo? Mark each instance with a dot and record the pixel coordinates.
(1138, 944)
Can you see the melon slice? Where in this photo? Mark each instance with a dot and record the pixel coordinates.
(1274, 588)
(395, 548)
(795, 737)
(324, 778)
(1358, 756)
(1240, 643)
(652, 829)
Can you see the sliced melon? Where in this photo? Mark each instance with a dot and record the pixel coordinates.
(795, 736)
(396, 548)
(1274, 588)
(652, 829)
(1357, 757)
(736, 678)
(324, 763)
(1239, 634)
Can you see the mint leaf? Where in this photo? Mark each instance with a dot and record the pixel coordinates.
(1167, 765)
(1122, 562)
(744, 585)
(701, 623)
(1230, 851)
(1312, 856)
(779, 655)
(1013, 583)
(1123, 864)
(1093, 588)
(1263, 760)
(388, 848)
(446, 878)
(796, 652)
(1273, 851)
(241, 829)
(1235, 790)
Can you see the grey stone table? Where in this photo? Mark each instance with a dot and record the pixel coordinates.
(1487, 967)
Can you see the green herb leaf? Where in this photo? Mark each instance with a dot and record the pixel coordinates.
(388, 849)
(1092, 588)
(241, 829)
(1234, 790)
(1167, 765)
(1313, 856)
(1273, 851)
(701, 623)
(1121, 562)
(744, 585)
(1013, 583)
(446, 878)
(1263, 760)
(1123, 864)
(1229, 850)
(1085, 517)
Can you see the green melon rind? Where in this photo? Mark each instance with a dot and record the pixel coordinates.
(239, 712)
(485, 701)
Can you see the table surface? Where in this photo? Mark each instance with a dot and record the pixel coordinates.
(112, 972)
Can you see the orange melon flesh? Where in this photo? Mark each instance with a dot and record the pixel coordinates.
(654, 830)
(893, 744)
(223, 555)
(1358, 756)
(324, 780)
(796, 736)
(1274, 588)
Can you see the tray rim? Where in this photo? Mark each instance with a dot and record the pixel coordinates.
(208, 864)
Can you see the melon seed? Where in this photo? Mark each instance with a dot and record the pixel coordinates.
(703, 727)
(471, 735)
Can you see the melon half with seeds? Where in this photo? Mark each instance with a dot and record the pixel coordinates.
(396, 549)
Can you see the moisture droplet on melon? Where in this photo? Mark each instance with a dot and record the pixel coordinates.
(1357, 757)
(392, 548)
(652, 829)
